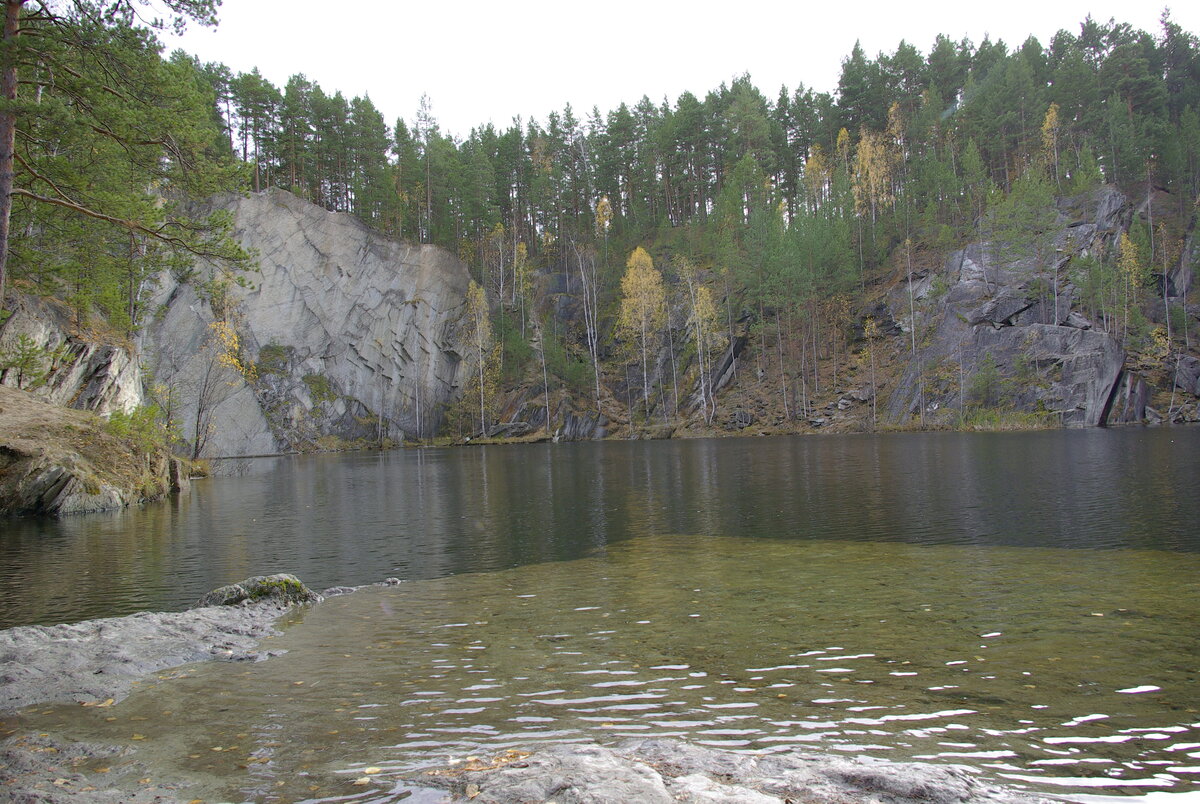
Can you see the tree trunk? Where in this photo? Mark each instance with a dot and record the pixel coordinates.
(674, 373)
(645, 373)
(8, 129)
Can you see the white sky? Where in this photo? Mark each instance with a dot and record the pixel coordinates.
(492, 61)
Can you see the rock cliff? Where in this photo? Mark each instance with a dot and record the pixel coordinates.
(75, 368)
(354, 336)
(995, 313)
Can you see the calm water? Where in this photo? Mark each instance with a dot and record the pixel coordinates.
(1026, 604)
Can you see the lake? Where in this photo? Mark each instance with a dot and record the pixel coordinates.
(1027, 604)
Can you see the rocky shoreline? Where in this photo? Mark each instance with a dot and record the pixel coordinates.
(97, 663)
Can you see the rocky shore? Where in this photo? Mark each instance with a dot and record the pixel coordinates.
(97, 663)
(57, 461)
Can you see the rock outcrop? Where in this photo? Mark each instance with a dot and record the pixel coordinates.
(672, 771)
(75, 368)
(282, 589)
(101, 659)
(56, 461)
(354, 335)
(992, 310)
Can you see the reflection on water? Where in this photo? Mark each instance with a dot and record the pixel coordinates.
(1058, 670)
(419, 514)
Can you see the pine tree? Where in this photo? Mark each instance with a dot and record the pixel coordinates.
(112, 139)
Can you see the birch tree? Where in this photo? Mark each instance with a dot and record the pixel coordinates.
(704, 322)
(643, 309)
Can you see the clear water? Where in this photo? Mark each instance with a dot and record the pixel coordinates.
(1028, 605)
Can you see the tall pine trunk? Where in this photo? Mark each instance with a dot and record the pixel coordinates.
(8, 129)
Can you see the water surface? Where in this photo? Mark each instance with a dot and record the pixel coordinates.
(357, 518)
(1026, 605)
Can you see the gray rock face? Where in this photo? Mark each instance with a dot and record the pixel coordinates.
(672, 771)
(1010, 314)
(83, 374)
(355, 335)
(1186, 374)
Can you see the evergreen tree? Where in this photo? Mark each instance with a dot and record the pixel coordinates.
(99, 150)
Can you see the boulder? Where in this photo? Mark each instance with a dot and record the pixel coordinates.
(740, 419)
(280, 589)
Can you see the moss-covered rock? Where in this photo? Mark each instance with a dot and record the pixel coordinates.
(280, 589)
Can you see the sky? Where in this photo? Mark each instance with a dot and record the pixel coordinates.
(492, 61)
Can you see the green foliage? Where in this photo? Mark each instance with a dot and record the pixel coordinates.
(987, 386)
(1086, 176)
(573, 370)
(1022, 222)
(273, 359)
(114, 140)
(1004, 419)
(145, 426)
(515, 348)
(25, 359)
(320, 388)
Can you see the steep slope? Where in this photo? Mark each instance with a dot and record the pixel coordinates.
(353, 336)
(998, 321)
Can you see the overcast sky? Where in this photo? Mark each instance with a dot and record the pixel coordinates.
(492, 61)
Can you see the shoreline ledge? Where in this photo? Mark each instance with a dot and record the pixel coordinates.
(94, 661)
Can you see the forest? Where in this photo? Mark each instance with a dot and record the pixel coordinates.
(673, 218)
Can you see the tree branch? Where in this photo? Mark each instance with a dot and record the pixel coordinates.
(131, 225)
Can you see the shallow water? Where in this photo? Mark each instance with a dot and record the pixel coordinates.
(1052, 669)
(1025, 605)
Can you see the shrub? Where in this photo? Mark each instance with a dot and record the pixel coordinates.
(144, 426)
(320, 388)
(273, 359)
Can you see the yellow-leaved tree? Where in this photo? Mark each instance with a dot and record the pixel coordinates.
(643, 309)
(872, 175)
(1050, 130)
(222, 370)
(1130, 269)
(604, 216)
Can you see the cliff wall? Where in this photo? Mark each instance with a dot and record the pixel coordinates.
(354, 337)
(1017, 316)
